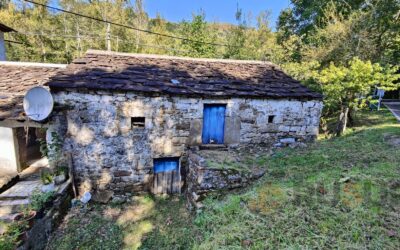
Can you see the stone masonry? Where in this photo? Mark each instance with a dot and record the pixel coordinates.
(111, 153)
(204, 177)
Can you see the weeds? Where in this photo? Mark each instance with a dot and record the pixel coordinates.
(334, 194)
(338, 193)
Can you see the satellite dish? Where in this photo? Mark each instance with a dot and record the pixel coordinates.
(38, 103)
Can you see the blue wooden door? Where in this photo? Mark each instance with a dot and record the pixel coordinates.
(213, 123)
(166, 165)
(167, 179)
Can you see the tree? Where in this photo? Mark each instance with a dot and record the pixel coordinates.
(236, 37)
(160, 44)
(340, 30)
(307, 72)
(343, 86)
(306, 15)
(381, 21)
(199, 34)
(260, 42)
(141, 21)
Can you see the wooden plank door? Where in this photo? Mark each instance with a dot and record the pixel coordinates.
(213, 123)
(167, 179)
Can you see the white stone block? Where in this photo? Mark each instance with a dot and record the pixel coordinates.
(287, 140)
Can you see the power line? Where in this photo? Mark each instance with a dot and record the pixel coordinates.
(127, 26)
(86, 35)
(58, 35)
(95, 37)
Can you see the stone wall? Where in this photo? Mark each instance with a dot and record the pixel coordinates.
(52, 216)
(110, 153)
(204, 178)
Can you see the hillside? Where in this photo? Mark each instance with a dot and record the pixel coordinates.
(337, 193)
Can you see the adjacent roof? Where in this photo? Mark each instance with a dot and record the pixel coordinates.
(16, 79)
(154, 74)
(4, 28)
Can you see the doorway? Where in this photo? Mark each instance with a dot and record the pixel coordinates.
(213, 123)
(167, 177)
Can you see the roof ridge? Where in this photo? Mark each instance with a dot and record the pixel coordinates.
(113, 53)
(33, 64)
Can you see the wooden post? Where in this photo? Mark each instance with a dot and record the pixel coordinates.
(78, 40)
(117, 43)
(108, 37)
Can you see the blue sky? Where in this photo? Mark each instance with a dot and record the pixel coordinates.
(216, 10)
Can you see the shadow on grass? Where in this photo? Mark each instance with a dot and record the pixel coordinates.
(145, 223)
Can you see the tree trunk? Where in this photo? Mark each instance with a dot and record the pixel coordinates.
(350, 116)
(342, 121)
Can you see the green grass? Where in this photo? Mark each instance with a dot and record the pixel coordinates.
(229, 165)
(225, 161)
(145, 223)
(336, 193)
(87, 229)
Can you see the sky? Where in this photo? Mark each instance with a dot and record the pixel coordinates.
(215, 10)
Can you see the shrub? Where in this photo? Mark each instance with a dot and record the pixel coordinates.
(46, 177)
(39, 199)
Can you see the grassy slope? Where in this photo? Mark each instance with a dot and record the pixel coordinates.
(337, 193)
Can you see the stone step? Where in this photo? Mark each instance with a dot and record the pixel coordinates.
(8, 218)
(219, 147)
(21, 190)
(9, 207)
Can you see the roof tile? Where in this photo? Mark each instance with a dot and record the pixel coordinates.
(15, 81)
(197, 77)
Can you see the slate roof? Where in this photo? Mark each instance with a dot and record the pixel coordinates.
(154, 74)
(15, 80)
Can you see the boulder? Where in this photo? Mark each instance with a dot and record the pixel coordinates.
(102, 196)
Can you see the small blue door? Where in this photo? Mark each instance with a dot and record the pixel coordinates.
(213, 123)
(167, 178)
(166, 165)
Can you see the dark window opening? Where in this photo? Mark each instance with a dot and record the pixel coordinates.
(29, 144)
(137, 122)
(271, 118)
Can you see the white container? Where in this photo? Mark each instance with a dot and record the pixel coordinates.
(59, 179)
(48, 188)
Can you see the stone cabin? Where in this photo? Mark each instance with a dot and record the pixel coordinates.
(130, 121)
(132, 117)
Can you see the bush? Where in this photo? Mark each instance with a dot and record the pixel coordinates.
(39, 199)
(7, 242)
(10, 239)
(46, 177)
